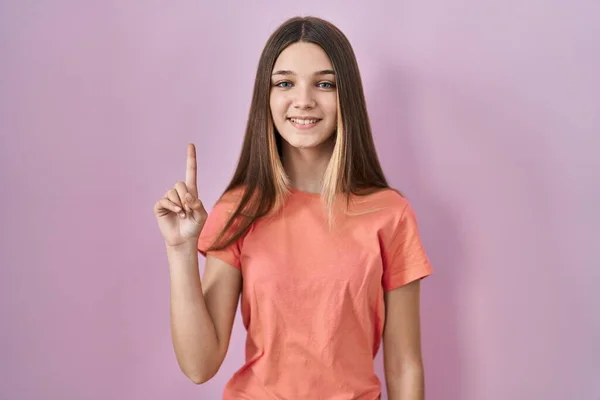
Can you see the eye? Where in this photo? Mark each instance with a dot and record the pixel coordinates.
(326, 85)
(284, 84)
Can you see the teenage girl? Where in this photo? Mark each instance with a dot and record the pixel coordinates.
(325, 255)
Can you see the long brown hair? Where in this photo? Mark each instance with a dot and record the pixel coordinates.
(354, 166)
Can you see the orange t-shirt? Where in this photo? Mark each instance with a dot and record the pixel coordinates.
(312, 298)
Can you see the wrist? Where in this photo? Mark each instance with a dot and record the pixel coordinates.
(187, 245)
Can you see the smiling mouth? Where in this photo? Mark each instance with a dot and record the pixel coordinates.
(304, 123)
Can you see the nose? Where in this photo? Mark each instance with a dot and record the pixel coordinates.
(304, 98)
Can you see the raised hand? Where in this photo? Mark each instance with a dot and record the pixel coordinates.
(180, 214)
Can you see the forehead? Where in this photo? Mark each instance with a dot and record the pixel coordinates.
(303, 58)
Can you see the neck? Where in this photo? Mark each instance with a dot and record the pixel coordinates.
(306, 167)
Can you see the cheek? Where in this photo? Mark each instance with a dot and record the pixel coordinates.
(334, 112)
(278, 107)
(330, 106)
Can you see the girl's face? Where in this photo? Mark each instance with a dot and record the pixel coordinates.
(303, 97)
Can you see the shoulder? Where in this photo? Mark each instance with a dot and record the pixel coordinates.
(230, 198)
(388, 201)
(389, 196)
(223, 210)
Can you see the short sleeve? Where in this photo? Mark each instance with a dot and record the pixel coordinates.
(215, 222)
(404, 257)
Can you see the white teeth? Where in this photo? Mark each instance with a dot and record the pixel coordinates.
(303, 121)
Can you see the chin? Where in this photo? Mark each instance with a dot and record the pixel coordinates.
(303, 142)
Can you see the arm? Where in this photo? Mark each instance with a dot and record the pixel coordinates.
(402, 344)
(202, 313)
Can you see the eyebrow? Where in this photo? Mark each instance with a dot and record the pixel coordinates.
(288, 72)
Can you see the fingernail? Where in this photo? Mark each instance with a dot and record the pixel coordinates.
(182, 215)
(177, 209)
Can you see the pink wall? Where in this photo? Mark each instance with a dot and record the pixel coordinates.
(486, 114)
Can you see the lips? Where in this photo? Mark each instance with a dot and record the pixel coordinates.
(307, 120)
(304, 122)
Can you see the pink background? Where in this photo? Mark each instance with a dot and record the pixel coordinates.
(485, 113)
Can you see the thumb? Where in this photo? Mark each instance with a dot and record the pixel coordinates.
(196, 208)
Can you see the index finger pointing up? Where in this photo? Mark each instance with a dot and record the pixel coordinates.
(190, 171)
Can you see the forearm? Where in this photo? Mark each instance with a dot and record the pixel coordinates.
(193, 332)
(406, 384)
